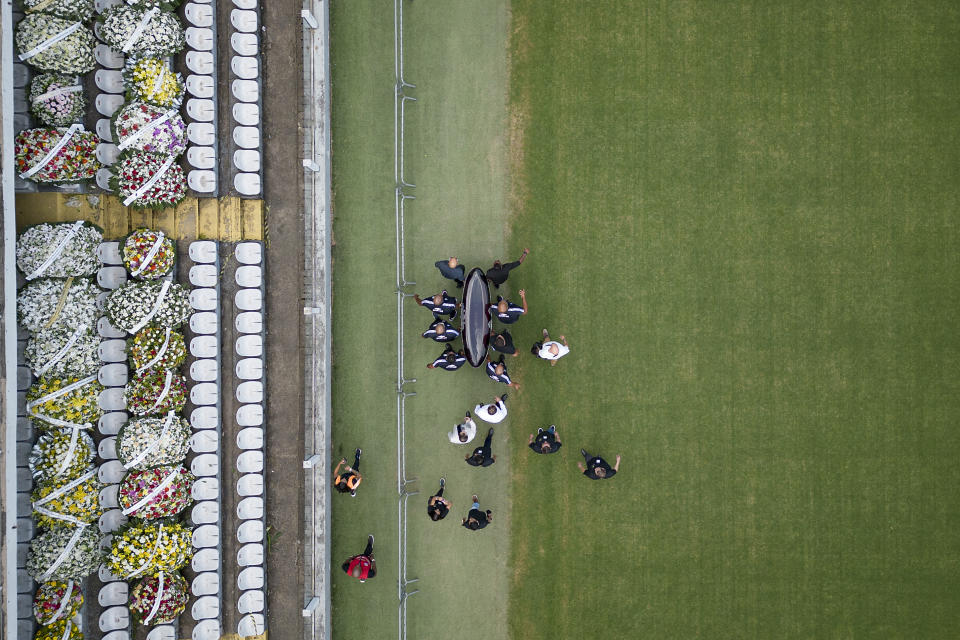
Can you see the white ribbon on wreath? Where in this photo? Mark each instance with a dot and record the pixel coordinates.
(58, 356)
(53, 152)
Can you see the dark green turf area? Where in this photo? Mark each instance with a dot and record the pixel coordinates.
(744, 217)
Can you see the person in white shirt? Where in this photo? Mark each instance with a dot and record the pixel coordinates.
(550, 349)
(463, 432)
(494, 412)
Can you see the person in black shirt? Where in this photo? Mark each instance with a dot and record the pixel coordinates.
(440, 304)
(481, 456)
(451, 269)
(497, 274)
(508, 312)
(545, 441)
(503, 342)
(441, 331)
(597, 468)
(437, 506)
(449, 360)
(497, 371)
(477, 519)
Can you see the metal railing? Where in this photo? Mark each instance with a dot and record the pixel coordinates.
(400, 100)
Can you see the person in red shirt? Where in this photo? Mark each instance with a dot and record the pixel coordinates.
(362, 566)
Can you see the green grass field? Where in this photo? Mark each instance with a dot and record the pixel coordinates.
(744, 218)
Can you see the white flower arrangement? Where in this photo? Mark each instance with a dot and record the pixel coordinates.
(71, 55)
(58, 453)
(145, 127)
(166, 5)
(80, 10)
(62, 249)
(56, 100)
(58, 302)
(63, 352)
(141, 32)
(152, 442)
(138, 304)
(64, 553)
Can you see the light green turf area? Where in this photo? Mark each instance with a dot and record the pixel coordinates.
(746, 223)
(744, 218)
(456, 155)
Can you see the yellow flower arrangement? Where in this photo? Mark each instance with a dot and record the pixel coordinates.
(151, 80)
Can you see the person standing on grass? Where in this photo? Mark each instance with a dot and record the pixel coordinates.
(497, 274)
(481, 456)
(463, 432)
(441, 331)
(503, 343)
(508, 312)
(597, 468)
(451, 269)
(550, 349)
(477, 519)
(440, 304)
(437, 506)
(449, 360)
(497, 371)
(362, 566)
(494, 412)
(349, 480)
(545, 441)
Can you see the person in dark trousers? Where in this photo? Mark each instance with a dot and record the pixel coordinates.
(441, 331)
(477, 519)
(440, 304)
(545, 441)
(481, 456)
(349, 480)
(597, 468)
(437, 506)
(362, 566)
(497, 274)
(497, 371)
(508, 312)
(451, 269)
(503, 342)
(449, 360)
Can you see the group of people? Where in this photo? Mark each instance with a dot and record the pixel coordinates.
(445, 308)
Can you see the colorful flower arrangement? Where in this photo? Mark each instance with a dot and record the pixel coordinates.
(140, 245)
(80, 10)
(63, 630)
(151, 80)
(60, 453)
(165, 489)
(63, 352)
(75, 552)
(151, 394)
(151, 442)
(57, 601)
(135, 169)
(142, 548)
(80, 405)
(80, 501)
(56, 100)
(173, 592)
(155, 348)
(74, 161)
(146, 127)
(62, 249)
(130, 306)
(161, 34)
(71, 55)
